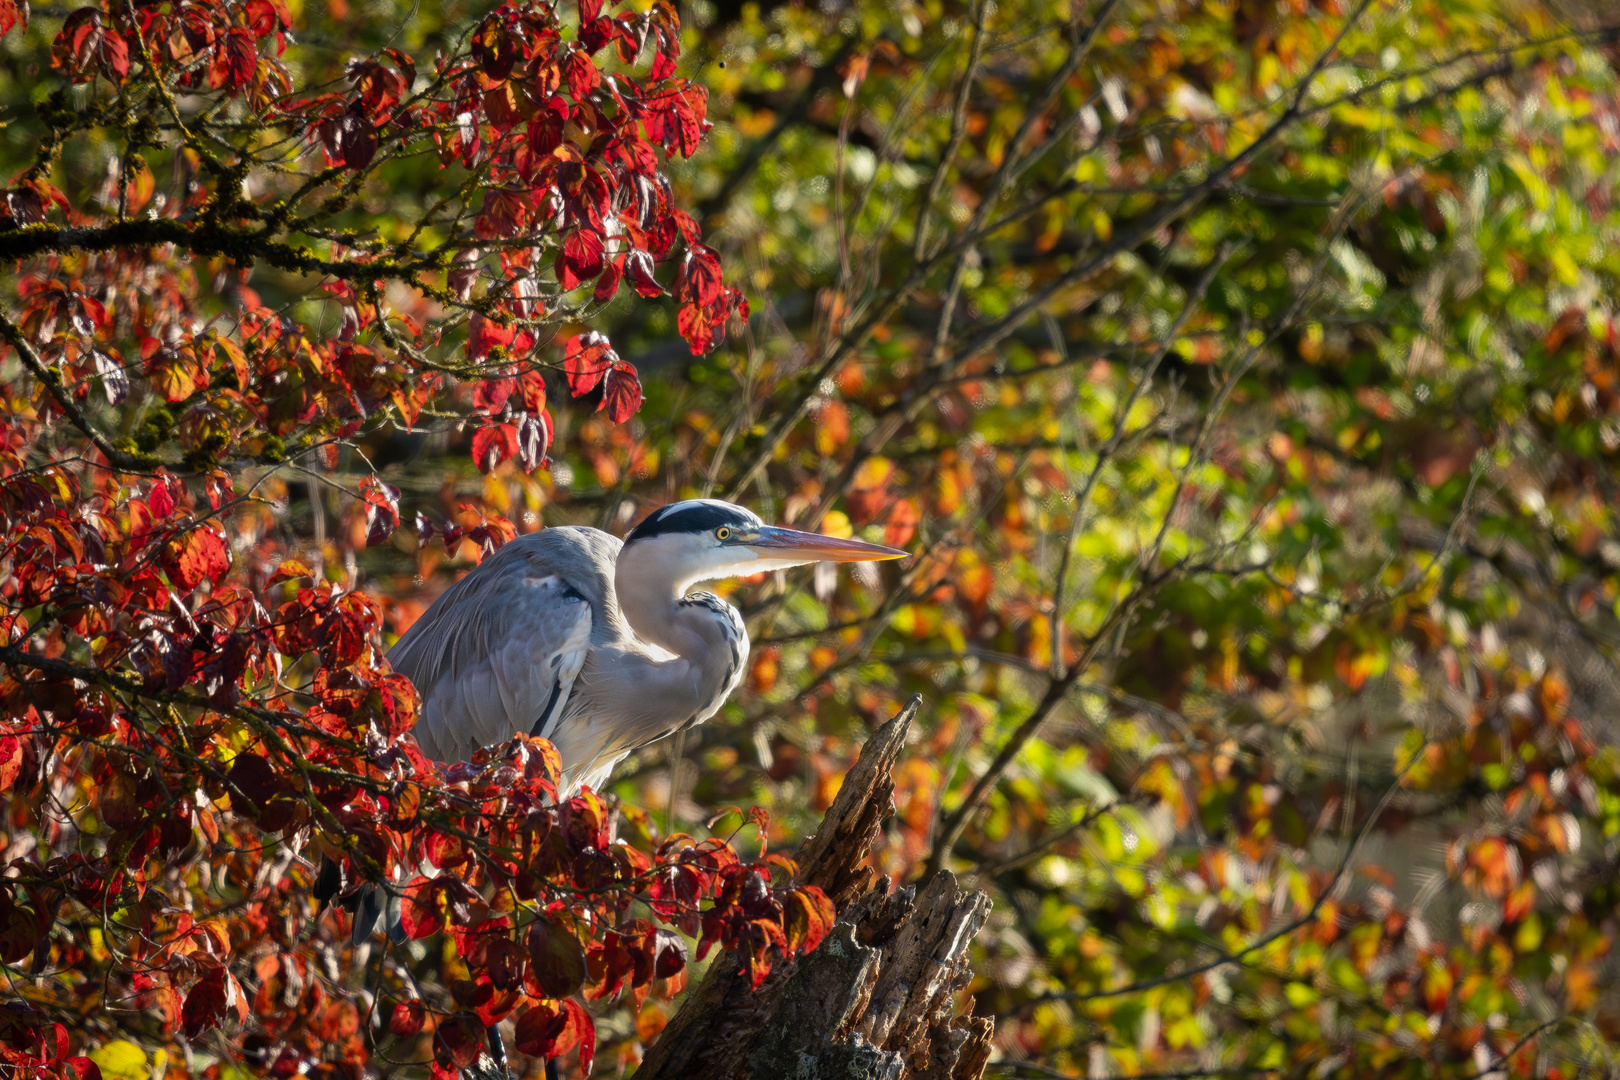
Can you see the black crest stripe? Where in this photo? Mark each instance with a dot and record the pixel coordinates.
(701, 517)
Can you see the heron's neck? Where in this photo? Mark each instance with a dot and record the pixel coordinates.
(649, 588)
(701, 630)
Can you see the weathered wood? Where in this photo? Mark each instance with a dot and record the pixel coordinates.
(876, 1000)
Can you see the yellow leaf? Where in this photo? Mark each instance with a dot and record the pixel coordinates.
(873, 473)
(1564, 267)
(1102, 224)
(121, 1059)
(290, 569)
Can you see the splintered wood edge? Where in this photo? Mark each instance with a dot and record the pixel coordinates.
(853, 815)
(672, 1052)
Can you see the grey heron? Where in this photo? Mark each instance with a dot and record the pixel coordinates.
(598, 645)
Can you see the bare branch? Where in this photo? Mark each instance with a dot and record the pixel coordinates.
(41, 371)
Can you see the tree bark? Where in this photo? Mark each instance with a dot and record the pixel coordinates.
(876, 1000)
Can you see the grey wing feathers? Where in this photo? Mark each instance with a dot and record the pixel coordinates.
(499, 651)
(565, 663)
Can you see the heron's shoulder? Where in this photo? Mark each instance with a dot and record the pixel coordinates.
(536, 589)
(565, 537)
(580, 559)
(577, 544)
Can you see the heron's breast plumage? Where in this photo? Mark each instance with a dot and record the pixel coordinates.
(736, 635)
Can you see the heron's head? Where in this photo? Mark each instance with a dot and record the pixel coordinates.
(704, 539)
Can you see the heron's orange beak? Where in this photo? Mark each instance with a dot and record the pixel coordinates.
(813, 547)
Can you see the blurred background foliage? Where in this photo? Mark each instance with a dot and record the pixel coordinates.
(1244, 376)
(1253, 411)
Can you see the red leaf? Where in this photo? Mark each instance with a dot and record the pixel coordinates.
(205, 1003)
(459, 897)
(252, 778)
(534, 439)
(161, 499)
(15, 13)
(669, 954)
(581, 74)
(235, 61)
(504, 213)
(115, 54)
(661, 237)
(266, 18)
(485, 335)
(759, 964)
(347, 139)
(11, 760)
(586, 359)
(691, 233)
(583, 1029)
(621, 392)
(220, 488)
(505, 960)
(662, 68)
(499, 1005)
(493, 444)
(552, 1028)
(531, 391)
(580, 258)
(82, 1068)
(693, 324)
(174, 371)
(408, 1018)
(699, 280)
(596, 33)
(445, 851)
(556, 960)
(458, 1041)
(52, 1042)
(490, 394)
(382, 510)
(537, 1029)
(639, 267)
(608, 284)
(496, 48)
(419, 914)
(359, 140)
(808, 915)
(594, 30)
(197, 556)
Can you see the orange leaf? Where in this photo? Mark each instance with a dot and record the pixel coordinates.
(197, 556)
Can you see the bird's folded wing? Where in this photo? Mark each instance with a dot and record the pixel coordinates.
(495, 655)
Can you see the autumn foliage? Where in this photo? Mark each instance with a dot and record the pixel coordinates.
(1245, 378)
(194, 717)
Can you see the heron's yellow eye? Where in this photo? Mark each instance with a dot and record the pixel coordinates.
(722, 533)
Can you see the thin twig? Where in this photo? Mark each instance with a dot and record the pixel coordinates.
(32, 361)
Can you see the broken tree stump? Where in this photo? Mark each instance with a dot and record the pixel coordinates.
(876, 1000)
